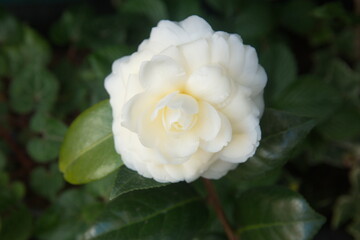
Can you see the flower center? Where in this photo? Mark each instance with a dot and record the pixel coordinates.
(178, 112)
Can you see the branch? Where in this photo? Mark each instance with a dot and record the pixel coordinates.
(215, 202)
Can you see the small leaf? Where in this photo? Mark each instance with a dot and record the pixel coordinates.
(42, 150)
(128, 180)
(282, 132)
(88, 151)
(173, 212)
(31, 49)
(46, 183)
(33, 88)
(275, 213)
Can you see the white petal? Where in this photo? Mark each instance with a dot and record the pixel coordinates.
(177, 150)
(174, 53)
(239, 149)
(209, 83)
(218, 169)
(253, 75)
(162, 74)
(220, 49)
(221, 140)
(168, 33)
(196, 27)
(196, 54)
(133, 110)
(197, 165)
(209, 122)
(239, 107)
(160, 174)
(237, 55)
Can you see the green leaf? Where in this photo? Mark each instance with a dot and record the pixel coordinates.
(280, 65)
(82, 27)
(16, 220)
(296, 16)
(47, 125)
(254, 22)
(309, 97)
(32, 49)
(275, 213)
(343, 124)
(88, 151)
(181, 9)
(42, 150)
(33, 88)
(52, 131)
(173, 212)
(155, 10)
(128, 180)
(16, 224)
(68, 217)
(282, 132)
(10, 29)
(102, 188)
(46, 183)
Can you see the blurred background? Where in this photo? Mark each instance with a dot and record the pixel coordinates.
(55, 54)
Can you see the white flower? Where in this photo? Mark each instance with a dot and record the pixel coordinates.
(187, 103)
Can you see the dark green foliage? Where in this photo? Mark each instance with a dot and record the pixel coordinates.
(51, 73)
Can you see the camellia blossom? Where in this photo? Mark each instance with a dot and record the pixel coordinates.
(187, 103)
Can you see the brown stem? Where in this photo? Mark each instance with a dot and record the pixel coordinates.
(215, 202)
(25, 162)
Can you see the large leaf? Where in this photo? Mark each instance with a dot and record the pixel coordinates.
(173, 212)
(88, 151)
(309, 96)
(275, 213)
(282, 132)
(128, 180)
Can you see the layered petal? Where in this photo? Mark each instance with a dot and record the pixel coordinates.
(209, 83)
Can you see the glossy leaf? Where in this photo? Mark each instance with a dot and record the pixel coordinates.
(88, 151)
(128, 180)
(309, 97)
(282, 132)
(275, 213)
(173, 212)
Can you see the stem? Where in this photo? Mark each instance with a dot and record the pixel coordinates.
(215, 202)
